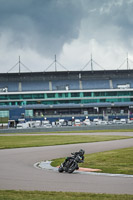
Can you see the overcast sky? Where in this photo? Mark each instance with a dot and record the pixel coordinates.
(74, 30)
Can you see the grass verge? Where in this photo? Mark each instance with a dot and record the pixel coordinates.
(116, 161)
(38, 195)
(49, 140)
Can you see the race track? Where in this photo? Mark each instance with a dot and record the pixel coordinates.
(17, 170)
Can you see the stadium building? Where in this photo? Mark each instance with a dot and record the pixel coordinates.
(67, 94)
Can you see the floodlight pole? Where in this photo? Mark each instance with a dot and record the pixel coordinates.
(55, 64)
(19, 65)
(91, 63)
(127, 62)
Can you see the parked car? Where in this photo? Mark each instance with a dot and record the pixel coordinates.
(48, 126)
(87, 122)
(97, 121)
(77, 122)
(103, 123)
(37, 123)
(22, 125)
(44, 123)
(123, 121)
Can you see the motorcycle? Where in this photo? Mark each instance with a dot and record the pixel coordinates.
(71, 163)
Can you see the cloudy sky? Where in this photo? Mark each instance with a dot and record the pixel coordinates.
(73, 30)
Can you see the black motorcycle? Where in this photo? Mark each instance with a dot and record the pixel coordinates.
(71, 163)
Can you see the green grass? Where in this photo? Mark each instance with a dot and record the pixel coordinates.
(116, 161)
(38, 195)
(49, 140)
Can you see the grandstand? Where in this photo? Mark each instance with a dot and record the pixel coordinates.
(67, 93)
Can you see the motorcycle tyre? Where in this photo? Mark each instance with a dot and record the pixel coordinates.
(66, 166)
(60, 169)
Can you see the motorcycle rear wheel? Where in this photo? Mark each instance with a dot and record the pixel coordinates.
(60, 169)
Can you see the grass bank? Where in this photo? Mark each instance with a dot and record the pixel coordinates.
(37, 195)
(49, 140)
(116, 161)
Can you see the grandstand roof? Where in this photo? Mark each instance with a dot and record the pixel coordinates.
(106, 74)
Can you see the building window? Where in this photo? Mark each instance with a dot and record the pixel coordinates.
(4, 113)
(27, 96)
(87, 94)
(14, 96)
(38, 96)
(60, 95)
(3, 97)
(50, 95)
(76, 94)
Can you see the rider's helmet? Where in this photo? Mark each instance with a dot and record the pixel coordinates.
(81, 151)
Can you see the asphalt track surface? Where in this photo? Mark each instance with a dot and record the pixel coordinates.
(17, 169)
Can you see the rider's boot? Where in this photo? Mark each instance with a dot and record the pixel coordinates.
(77, 167)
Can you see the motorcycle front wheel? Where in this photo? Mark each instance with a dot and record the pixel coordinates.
(60, 169)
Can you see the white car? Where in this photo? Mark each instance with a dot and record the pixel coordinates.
(77, 122)
(22, 125)
(48, 126)
(87, 122)
(103, 123)
(97, 121)
(123, 121)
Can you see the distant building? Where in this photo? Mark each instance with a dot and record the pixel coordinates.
(67, 92)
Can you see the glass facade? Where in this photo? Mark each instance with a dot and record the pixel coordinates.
(76, 97)
(29, 113)
(4, 113)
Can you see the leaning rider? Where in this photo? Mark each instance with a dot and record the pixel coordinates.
(81, 153)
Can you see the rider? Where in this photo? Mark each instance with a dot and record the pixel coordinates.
(81, 153)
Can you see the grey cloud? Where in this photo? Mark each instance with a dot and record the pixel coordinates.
(111, 20)
(41, 24)
(45, 25)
